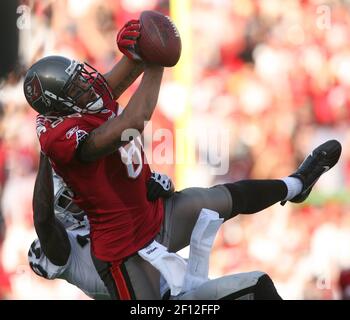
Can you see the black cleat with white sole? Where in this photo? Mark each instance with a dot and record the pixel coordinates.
(323, 158)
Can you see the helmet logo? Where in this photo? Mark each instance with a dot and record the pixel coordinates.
(34, 91)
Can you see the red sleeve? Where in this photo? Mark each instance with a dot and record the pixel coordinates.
(61, 142)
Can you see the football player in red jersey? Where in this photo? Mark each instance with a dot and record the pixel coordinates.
(80, 128)
(62, 249)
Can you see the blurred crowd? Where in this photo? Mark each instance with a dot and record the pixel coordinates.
(275, 74)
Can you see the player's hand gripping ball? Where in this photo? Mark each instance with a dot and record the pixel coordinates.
(127, 38)
(159, 41)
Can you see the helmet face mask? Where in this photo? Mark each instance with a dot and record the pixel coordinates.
(66, 211)
(82, 84)
(58, 85)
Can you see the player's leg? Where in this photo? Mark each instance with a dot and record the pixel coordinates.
(242, 286)
(183, 208)
(245, 197)
(137, 279)
(134, 279)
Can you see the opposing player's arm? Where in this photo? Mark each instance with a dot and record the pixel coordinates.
(107, 138)
(52, 235)
(123, 74)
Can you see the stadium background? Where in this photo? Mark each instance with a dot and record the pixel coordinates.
(275, 73)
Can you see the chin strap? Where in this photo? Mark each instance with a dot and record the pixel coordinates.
(94, 106)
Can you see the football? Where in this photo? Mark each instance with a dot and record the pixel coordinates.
(159, 40)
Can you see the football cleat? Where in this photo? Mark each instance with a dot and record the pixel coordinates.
(323, 158)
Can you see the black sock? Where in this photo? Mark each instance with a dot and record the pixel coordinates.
(250, 196)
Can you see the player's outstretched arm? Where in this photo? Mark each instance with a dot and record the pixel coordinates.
(107, 138)
(123, 74)
(52, 235)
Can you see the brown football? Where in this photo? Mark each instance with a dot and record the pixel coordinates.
(159, 40)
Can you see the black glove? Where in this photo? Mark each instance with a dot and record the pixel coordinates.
(159, 186)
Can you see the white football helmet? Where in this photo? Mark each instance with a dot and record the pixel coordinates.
(70, 215)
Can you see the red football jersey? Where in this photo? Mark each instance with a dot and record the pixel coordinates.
(111, 190)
